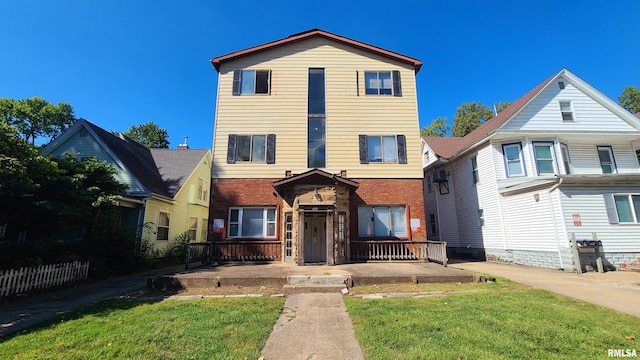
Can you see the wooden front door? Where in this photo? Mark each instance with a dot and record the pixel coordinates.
(315, 238)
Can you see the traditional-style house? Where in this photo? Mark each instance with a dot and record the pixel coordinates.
(316, 150)
(168, 189)
(551, 181)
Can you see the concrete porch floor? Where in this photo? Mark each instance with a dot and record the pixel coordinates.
(358, 274)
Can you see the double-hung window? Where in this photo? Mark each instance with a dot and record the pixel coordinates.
(383, 149)
(248, 82)
(566, 158)
(164, 219)
(252, 222)
(193, 228)
(566, 110)
(382, 83)
(607, 161)
(382, 221)
(513, 159)
(544, 156)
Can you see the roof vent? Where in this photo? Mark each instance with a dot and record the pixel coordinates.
(561, 84)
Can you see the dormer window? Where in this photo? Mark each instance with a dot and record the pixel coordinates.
(566, 110)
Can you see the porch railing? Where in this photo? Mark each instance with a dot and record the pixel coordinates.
(399, 250)
(248, 250)
(201, 251)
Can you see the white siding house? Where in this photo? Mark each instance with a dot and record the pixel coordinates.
(553, 181)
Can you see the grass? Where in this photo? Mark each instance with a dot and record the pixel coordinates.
(228, 328)
(499, 322)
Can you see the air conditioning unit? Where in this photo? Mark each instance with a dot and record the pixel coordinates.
(439, 176)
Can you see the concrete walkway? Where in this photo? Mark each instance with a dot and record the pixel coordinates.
(618, 290)
(313, 326)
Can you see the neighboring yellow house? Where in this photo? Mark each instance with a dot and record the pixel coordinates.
(168, 189)
(317, 150)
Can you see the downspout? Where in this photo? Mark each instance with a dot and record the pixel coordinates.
(553, 217)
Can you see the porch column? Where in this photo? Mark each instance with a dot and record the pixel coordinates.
(300, 238)
(330, 239)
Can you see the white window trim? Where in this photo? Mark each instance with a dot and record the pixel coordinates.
(564, 150)
(571, 111)
(552, 149)
(523, 168)
(609, 149)
(392, 225)
(475, 171)
(636, 217)
(190, 229)
(265, 222)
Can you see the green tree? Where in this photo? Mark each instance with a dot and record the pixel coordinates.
(469, 116)
(439, 127)
(44, 191)
(35, 117)
(149, 135)
(630, 99)
(502, 104)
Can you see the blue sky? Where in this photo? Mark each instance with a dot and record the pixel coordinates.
(126, 62)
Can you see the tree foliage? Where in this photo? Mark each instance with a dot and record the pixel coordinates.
(149, 135)
(42, 192)
(35, 117)
(469, 116)
(630, 99)
(502, 104)
(438, 127)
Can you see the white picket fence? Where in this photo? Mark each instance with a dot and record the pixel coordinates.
(25, 280)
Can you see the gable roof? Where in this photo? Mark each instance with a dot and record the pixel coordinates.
(175, 166)
(316, 177)
(158, 171)
(313, 33)
(454, 146)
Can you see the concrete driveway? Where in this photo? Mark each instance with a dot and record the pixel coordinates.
(618, 290)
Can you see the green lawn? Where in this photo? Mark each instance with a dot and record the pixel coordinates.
(229, 328)
(507, 323)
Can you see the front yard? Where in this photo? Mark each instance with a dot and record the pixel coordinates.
(228, 328)
(490, 322)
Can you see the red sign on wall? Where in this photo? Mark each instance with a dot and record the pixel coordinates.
(576, 220)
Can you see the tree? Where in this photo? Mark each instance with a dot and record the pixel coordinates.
(149, 135)
(469, 116)
(35, 117)
(439, 127)
(502, 104)
(630, 99)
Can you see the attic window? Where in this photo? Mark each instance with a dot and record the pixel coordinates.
(566, 110)
(561, 84)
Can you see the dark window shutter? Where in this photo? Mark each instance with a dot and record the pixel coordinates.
(231, 149)
(271, 148)
(237, 79)
(397, 88)
(269, 91)
(610, 205)
(357, 83)
(364, 149)
(402, 149)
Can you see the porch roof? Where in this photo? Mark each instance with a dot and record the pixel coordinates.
(314, 177)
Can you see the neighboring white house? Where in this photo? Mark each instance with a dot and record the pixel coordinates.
(556, 165)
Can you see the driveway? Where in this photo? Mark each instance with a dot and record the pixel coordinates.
(618, 290)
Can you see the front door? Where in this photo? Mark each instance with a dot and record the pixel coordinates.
(315, 238)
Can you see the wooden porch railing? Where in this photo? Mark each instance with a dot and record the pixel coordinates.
(399, 250)
(248, 250)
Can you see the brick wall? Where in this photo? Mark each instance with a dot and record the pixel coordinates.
(390, 192)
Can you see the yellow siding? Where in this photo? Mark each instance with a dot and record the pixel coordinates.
(349, 112)
(184, 205)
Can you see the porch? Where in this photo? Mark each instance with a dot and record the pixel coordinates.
(316, 278)
(272, 251)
